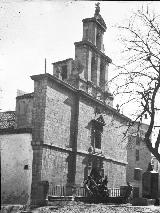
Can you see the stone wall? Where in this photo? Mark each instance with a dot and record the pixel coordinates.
(53, 132)
(62, 135)
(58, 114)
(24, 106)
(59, 134)
(144, 157)
(116, 174)
(38, 112)
(113, 146)
(16, 168)
(55, 166)
(81, 53)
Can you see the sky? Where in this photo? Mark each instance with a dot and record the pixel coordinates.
(31, 31)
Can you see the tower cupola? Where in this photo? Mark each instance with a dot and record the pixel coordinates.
(94, 28)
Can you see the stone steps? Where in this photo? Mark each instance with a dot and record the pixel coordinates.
(116, 200)
(143, 202)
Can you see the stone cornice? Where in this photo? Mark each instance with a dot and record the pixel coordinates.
(90, 83)
(79, 92)
(15, 131)
(93, 19)
(88, 43)
(28, 95)
(63, 61)
(107, 107)
(53, 78)
(84, 153)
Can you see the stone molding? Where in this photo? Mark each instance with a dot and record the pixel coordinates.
(28, 95)
(84, 153)
(91, 45)
(15, 131)
(80, 93)
(95, 20)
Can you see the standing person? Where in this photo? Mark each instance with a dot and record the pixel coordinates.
(128, 193)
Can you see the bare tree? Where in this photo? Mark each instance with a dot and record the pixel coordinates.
(138, 80)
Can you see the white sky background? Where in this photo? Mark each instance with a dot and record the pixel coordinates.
(31, 31)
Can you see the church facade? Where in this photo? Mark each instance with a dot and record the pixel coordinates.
(72, 122)
(74, 125)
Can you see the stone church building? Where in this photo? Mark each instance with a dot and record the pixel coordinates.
(71, 116)
(75, 127)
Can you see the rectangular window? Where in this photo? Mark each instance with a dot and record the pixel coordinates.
(97, 139)
(102, 74)
(96, 135)
(93, 69)
(98, 40)
(137, 174)
(64, 72)
(137, 155)
(86, 33)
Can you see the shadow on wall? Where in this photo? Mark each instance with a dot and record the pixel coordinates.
(71, 159)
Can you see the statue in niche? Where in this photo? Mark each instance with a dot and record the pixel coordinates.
(97, 14)
(97, 10)
(96, 186)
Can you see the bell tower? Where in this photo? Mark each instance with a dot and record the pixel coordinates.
(90, 53)
(94, 28)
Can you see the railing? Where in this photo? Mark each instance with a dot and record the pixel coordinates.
(60, 190)
(114, 192)
(80, 191)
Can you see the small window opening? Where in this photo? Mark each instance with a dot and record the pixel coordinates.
(97, 130)
(98, 40)
(64, 72)
(138, 140)
(26, 167)
(137, 155)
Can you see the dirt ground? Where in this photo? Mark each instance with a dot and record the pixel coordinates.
(77, 207)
